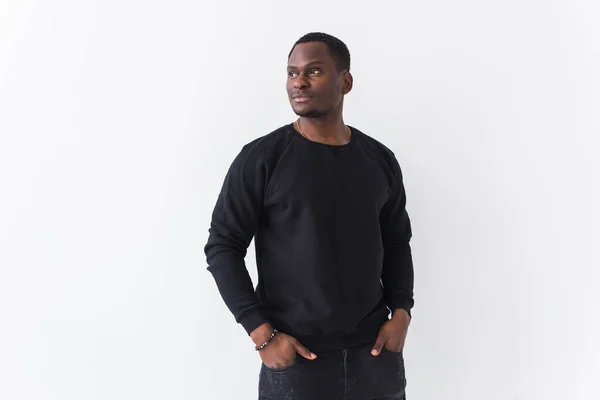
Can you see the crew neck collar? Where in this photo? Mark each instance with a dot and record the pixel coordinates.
(353, 139)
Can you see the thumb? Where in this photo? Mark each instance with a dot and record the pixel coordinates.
(303, 351)
(378, 346)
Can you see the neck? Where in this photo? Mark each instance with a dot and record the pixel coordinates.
(329, 129)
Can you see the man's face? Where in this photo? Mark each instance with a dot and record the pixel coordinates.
(315, 87)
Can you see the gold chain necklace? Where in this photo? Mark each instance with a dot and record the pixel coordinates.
(297, 126)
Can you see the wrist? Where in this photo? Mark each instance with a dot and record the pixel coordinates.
(266, 343)
(261, 334)
(401, 313)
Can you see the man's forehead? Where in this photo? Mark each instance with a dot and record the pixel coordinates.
(311, 52)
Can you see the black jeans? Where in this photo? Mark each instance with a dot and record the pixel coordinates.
(349, 374)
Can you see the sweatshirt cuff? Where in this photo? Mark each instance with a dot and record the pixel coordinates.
(401, 304)
(252, 321)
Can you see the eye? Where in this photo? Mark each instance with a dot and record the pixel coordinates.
(315, 71)
(292, 74)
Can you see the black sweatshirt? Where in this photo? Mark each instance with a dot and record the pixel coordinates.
(331, 238)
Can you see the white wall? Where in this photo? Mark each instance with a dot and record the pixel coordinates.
(118, 120)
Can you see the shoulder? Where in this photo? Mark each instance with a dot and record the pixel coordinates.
(380, 150)
(264, 152)
(266, 145)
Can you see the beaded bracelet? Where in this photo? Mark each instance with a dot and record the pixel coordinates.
(262, 346)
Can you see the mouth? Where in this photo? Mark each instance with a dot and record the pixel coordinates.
(301, 98)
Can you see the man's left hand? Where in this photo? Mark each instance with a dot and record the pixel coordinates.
(392, 334)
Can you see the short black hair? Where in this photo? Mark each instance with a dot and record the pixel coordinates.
(338, 50)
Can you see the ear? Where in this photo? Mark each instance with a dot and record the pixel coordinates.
(347, 82)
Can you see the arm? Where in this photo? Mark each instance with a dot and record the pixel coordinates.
(397, 275)
(234, 223)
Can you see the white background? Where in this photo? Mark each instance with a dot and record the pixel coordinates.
(119, 119)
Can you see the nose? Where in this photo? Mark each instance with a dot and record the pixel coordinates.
(300, 82)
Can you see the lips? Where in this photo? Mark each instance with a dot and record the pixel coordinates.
(301, 98)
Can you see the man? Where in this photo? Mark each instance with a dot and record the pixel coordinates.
(326, 205)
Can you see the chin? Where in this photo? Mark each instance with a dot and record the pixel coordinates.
(308, 113)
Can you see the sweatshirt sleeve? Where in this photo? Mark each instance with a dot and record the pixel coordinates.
(398, 275)
(233, 225)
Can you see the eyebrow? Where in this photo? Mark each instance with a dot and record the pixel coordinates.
(308, 64)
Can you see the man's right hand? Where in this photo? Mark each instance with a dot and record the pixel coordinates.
(282, 350)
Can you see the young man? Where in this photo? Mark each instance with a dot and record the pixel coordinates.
(326, 205)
